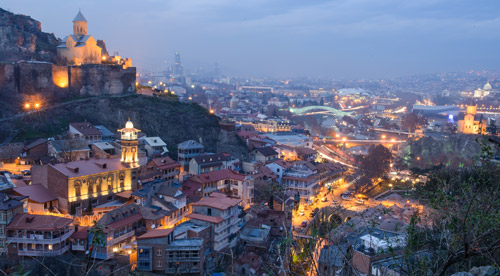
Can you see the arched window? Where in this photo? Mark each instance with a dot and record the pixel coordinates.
(110, 183)
(97, 186)
(122, 180)
(78, 185)
(90, 184)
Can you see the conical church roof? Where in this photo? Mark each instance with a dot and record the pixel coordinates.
(79, 17)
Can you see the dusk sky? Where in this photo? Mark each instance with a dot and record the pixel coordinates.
(288, 38)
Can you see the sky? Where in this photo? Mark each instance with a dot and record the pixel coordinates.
(338, 39)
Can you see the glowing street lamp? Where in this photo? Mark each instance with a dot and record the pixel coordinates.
(37, 105)
(383, 136)
(344, 139)
(27, 105)
(393, 140)
(212, 111)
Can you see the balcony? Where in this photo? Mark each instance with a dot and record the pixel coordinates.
(39, 239)
(46, 253)
(121, 238)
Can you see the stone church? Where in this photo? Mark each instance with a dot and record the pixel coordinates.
(80, 48)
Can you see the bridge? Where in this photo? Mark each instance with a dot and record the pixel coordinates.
(309, 109)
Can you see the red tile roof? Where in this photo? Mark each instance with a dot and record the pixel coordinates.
(36, 192)
(38, 222)
(164, 163)
(218, 201)
(81, 234)
(126, 221)
(218, 175)
(86, 128)
(215, 220)
(157, 233)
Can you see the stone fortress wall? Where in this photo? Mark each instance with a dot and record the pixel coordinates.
(62, 81)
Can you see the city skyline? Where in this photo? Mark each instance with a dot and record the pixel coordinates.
(331, 39)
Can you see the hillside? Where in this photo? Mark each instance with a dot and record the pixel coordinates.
(21, 37)
(427, 152)
(172, 120)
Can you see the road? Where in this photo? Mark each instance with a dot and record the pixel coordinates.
(351, 205)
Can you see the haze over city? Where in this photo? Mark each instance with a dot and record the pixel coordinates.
(353, 39)
(249, 138)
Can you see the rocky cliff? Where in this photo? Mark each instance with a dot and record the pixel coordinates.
(21, 38)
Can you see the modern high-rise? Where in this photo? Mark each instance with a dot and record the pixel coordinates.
(178, 70)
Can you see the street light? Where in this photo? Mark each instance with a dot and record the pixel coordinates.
(27, 105)
(37, 105)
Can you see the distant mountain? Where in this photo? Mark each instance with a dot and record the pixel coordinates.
(21, 38)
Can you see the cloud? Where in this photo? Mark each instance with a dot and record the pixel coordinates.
(339, 38)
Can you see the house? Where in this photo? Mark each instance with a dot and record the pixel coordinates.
(249, 264)
(154, 147)
(105, 150)
(225, 181)
(223, 214)
(187, 150)
(301, 179)
(263, 154)
(160, 196)
(279, 167)
(9, 208)
(151, 249)
(80, 239)
(39, 235)
(185, 257)
(34, 151)
(106, 134)
(255, 238)
(212, 162)
(85, 131)
(164, 168)
(122, 225)
(80, 184)
(40, 200)
(69, 150)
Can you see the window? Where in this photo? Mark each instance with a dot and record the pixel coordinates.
(77, 188)
(110, 183)
(159, 263)
(97, 186)
(158, 252)
(122, 180)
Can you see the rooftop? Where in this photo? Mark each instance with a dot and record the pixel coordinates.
(217, 176)
(88, 167)
(218, 201)
(38, 222)
(190, 144)
(157, 233)
(214, 220)
(86, 129)
(36, 192)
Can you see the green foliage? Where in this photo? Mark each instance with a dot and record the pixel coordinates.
(463, 229)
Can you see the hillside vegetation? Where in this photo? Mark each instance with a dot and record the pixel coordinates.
(171, 120)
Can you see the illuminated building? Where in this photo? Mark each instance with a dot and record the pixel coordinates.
(129, 142)
(470, 122)
(79, 47)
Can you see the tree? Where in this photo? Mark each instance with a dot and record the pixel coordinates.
(376, 163)
(411, 121)
(463, 227)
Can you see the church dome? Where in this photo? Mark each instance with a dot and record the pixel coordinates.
(129, 124)
(487, 86)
